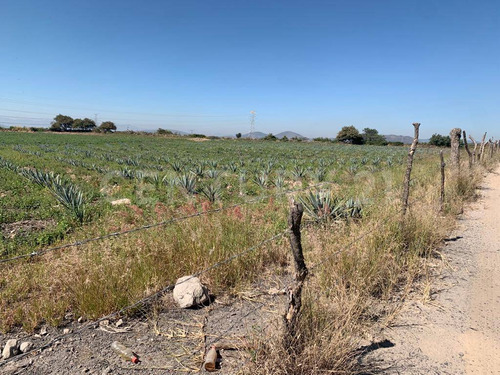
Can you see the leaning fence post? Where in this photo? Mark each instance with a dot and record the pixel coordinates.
(295, 291)
(409, 164)
(455, 151)
(441, 197)
(467, 149)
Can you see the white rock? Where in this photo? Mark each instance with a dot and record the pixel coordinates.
(26, 346)
(66, 331)
(119, 202)
(189, 291)
(10, 349)
(43, 331)
(119, 323)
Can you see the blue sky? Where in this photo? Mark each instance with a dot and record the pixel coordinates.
(306, 66)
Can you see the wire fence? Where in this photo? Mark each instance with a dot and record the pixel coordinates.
(147, 300)
(160, 224)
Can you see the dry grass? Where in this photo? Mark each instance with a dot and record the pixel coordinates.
(366, 282)
(352, 285)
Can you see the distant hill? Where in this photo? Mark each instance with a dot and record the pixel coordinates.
(260, 135)
(289, 135)
(255, 135)
(399, 138)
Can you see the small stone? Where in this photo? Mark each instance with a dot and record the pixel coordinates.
(119, 323)
(66, 331)
(119, 202)
(104, 323)
(10, 349)
(43, 331)
(80, 319)
(26, 346)
(189, 291)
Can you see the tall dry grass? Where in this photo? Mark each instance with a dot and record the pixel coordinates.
(365, 283)
(343, 296)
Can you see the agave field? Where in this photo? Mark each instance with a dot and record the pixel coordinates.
(52, 184)
(163, 207)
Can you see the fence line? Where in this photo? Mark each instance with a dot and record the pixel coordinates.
(159, 224)
(145, 301)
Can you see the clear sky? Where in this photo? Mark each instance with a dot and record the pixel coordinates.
(305, 66)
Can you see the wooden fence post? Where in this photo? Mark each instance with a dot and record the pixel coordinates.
(295, 291)
(481, 148)
(441, 197)
(474, 153)
(409, 164)
(467, 149)
(455, 151)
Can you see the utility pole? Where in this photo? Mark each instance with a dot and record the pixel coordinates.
(252, 123)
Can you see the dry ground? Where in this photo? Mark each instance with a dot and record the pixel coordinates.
(456, 328)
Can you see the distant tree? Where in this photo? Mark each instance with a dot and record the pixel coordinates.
(284, 138)
(238, 135)
(349, 134)
(107, 127)
(371, 137)
(85, 125)
(164, 131)
(61, 123)
(322, 139)
(440, 140)
(270, 137)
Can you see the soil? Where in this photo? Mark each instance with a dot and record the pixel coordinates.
(22, 228)
(456, 328)
(167, 340)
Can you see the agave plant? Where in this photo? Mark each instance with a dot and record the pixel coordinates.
(188, 183)
(198, 170)
(70, 196)
(279, 182)
(320, 205)
(261, 179)
(211, 192)
(299, 171)
(320, 174)
(323, 205)
(176, 166)
(127, 173)
(213, 173)
(232, 167)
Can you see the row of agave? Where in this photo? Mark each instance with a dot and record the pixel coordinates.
(64, 191)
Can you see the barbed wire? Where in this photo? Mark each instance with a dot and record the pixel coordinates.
(145, 301)
(159, 224)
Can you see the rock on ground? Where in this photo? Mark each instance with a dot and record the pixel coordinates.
(10, 349)
(189, 291)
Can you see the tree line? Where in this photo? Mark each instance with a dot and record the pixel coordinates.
(63, 123)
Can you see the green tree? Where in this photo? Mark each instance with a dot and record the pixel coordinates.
(440, 140)
(371, 137)
(238, 135)
(270, 137)
(349, 134)
(61, 123)
(107, 127)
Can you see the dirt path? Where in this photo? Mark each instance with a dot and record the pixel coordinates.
(458, 330)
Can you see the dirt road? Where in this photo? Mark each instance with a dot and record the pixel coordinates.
(458, 330)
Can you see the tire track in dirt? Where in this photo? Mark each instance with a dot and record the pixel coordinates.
(458, 331)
